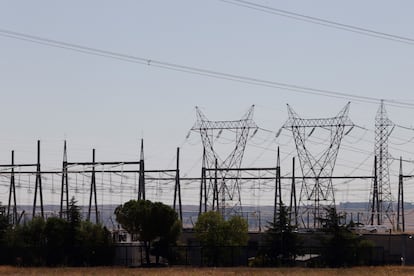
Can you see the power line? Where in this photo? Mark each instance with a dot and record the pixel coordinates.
(321, 21)
(199, 71)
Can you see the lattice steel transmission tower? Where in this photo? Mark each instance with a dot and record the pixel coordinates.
(381, 203)
(317, 190)
(222, 192)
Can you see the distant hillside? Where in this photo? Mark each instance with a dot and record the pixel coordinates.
(257, 217)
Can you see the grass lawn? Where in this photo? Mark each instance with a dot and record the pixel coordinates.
(183, 271)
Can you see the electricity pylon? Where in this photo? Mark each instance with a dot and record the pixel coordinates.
(381, 198)
(223, 190)
(317, 190)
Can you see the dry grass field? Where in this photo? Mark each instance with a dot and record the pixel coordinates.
(378, 271)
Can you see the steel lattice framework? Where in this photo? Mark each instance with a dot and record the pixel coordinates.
(317, 189)
(381, 197)
(223, 193)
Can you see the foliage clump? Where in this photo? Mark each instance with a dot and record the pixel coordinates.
(341, 247)
(281, 242)
(218, 237)
(57, 241)
(155, 224)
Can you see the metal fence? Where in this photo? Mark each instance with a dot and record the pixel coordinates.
(134, 256)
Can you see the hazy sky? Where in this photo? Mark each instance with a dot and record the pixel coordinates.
(51, 94)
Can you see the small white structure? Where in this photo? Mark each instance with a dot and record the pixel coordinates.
(121, 236)
(366, 229)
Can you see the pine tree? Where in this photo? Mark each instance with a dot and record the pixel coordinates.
(282, 242)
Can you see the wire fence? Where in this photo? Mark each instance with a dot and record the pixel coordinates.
(231, 256)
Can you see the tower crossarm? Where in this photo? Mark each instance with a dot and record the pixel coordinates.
(246, 122)
(341, 119)
(229, 125)
(322, 123)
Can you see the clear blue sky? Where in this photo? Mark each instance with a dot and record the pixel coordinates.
(52, 94)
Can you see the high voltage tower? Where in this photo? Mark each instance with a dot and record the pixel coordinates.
(381, 199)
(222, 193)
(317, 190)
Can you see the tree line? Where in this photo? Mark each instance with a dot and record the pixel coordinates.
(220, 239)
(75, 242)
(55, 241)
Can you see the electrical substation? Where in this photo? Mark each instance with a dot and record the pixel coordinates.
(223, 183)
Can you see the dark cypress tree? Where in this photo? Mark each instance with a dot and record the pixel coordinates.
(282, 241)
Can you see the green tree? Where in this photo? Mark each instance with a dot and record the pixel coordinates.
(74, 232)
(33, 232)
(4, 229)
(341, 245)
(55, 231)
(34, 241)
(215, 234)
(95, 245)
(4, 224)
(212, 230)
(167, 235)
(281, 241)
(74, 214)
(151, 222)
(237, 231)
(57, 240)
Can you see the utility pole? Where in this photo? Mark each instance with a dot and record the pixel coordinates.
(64, 193)
(141, 184)
(38, 185)
(93, 191)
(215, 189)
(12, 193)
(203, 191)
(375, 204)
(293, 207)
(400, 205)
(278, 189)
(177, 189)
